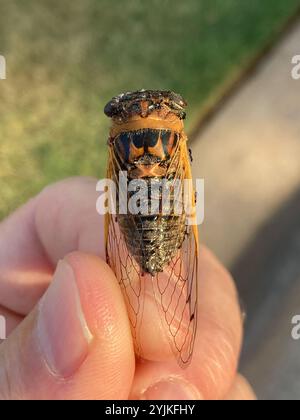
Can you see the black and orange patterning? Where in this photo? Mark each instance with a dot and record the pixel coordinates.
(147, 140)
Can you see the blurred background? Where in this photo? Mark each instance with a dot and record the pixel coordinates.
(231, 60)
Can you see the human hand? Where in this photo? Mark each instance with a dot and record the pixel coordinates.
(68, 330)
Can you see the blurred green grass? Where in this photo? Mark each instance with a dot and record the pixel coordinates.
(66, 59)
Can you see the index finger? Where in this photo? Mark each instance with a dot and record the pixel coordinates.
(60, 220)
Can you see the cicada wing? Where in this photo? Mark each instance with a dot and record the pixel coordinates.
(130, 278)
(176, 288)
(176, 293)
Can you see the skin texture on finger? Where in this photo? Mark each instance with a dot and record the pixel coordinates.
(241, 391)
(107, 370)
(66, 219)
(218, 340)
(25, 271)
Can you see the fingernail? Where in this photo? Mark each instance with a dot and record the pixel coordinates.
(62, 332)
(172, 389)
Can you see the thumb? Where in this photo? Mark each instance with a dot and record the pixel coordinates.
(76, 344)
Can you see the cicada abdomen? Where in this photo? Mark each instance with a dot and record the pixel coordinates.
(150, 239)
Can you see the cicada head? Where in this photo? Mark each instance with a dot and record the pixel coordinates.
(145, 103)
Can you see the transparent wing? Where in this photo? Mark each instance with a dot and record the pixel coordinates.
(176, 293)
(176, 289)
(125, 267)
(129, 276)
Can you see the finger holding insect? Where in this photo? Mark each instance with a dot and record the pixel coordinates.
(217, 345)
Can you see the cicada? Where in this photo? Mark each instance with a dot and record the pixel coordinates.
(158, 246)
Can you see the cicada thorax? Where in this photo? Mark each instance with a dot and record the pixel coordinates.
(154, 235)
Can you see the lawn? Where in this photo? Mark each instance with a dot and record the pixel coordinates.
(66, 59)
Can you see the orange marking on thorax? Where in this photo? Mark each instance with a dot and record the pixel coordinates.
(135, 152)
